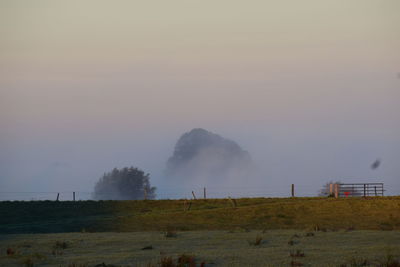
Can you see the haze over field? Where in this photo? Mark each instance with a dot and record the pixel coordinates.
(204, 158)
(311, 89)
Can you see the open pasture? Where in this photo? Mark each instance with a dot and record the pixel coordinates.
(377, 213)
(214, 232)
(213, 248)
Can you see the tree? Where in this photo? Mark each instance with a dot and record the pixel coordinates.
(124, 184)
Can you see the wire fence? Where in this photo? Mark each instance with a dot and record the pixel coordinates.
(172, 193)
(161, 193)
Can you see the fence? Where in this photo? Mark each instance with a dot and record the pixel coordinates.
(361, 189)
(173, 192)
(188, 192)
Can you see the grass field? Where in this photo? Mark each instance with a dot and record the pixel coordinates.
(378, 213)
(217, 232)
(214, 248)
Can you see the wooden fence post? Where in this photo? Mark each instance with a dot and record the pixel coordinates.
(364, 190)
(187, 205)
(330, 189)
(194, 196)
(58, 196)
(375, 191)
(233, 202)
(205, 195)
(73, 196)
(292, 190)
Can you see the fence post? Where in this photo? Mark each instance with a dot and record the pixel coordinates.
(205, 194)
(73, 195)
(375, 191)
(185, 205)
(194, 196)
(330, 189)
(336, 190)
(233, 202)
(364, 190)
(292, 190)
(58, 195)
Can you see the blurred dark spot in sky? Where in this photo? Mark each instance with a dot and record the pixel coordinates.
(376, 164)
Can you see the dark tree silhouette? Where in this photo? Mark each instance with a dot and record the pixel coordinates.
(124, 184)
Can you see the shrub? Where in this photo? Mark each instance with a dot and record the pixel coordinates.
(356, 262)
(186, 261)
(297, 253)
(257, 241)
(167, 262)
(61, 245)
(170, 233)
(390, 261)
(295, 263)
(124, 184)
(105, 265)
(385, 226)
(10, 251)
(56, 252)
(28, 262)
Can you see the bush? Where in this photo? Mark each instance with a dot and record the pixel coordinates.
(297, 253)
(28, 262)
(167, 262)
(186, 261)
(10, 251)
(125, 184)
(170, 233)
(390, 261)
(257, 241)
(61, 245)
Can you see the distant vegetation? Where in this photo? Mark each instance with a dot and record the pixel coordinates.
(125, 184)
(321, 214)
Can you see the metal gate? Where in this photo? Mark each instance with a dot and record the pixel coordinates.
(361, 190)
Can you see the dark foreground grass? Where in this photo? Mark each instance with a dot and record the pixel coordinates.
(203, 248)
(322, 214)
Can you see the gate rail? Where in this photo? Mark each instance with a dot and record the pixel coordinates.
(361, 189)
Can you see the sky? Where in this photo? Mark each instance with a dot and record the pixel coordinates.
(311, 89)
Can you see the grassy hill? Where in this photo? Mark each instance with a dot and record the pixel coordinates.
(378, 213)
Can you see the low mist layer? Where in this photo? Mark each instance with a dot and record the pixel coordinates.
(203, 158)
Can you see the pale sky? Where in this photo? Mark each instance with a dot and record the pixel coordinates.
(310, 88)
